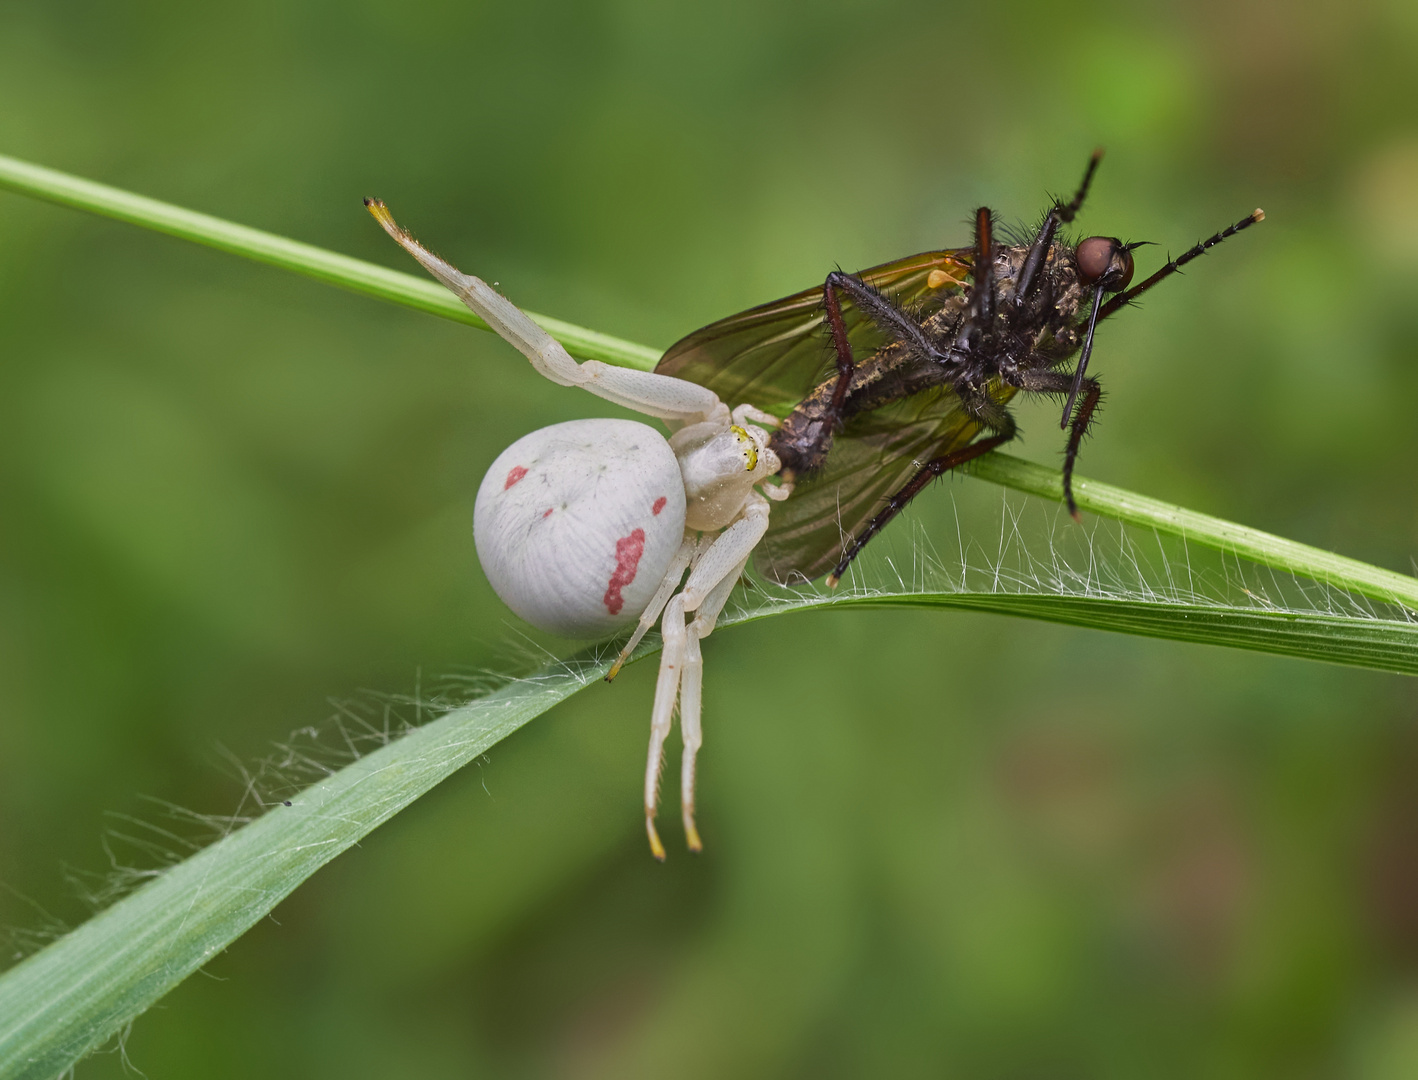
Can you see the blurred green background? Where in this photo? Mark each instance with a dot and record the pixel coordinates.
(938, 844)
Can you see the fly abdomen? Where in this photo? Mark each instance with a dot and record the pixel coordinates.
(803, 440)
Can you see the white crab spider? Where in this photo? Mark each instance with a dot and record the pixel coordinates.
(582, 526)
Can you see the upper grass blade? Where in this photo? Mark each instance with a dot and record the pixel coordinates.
(364, 277)
(424, 295)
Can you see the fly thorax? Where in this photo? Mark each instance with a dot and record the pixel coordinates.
(718, 473)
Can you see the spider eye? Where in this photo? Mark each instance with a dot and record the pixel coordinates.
(1106, 261)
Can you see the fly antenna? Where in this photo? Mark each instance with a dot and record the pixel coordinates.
(1173, 265)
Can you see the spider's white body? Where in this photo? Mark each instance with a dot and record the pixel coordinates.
(567, 525)
(577, 524)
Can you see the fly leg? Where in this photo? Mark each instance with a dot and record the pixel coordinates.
(1059, 214)
(1003, 423)
(1057, 382)
(846, 363)
(804, 439)
(981, 321)
(881, 310)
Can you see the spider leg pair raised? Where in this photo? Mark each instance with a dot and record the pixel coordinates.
(722, 460)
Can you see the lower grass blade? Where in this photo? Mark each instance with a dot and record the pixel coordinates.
(73, 996)
(76, 994)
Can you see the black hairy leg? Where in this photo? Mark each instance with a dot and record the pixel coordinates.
(1058, 382)
(805, 438)
(884, 313)
(1059, 214)
(979, 325)
(846, 364)
(931, 470)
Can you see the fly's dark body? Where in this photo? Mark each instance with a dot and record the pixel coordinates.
(945, 340)
(1040, 337)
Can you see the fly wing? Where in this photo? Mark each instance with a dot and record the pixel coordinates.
(773, 355)
(870, 460)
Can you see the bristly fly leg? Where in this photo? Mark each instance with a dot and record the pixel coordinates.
(981, 320)
(1059, 214)
(882, 311)
(890, 319)
(1059, 382)
(846, 363)
(932, 469)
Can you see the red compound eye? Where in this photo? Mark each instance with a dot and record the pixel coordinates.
(1104, 260)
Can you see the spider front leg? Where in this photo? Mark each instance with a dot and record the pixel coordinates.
(654, 395)
(681, 668)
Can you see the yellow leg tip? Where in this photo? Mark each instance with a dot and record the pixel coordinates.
(657, 849)
(615, 670)
(691, 838)
(833, 581)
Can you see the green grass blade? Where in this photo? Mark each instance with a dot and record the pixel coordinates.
(74, 995)
(1381, 644)
(79, 992)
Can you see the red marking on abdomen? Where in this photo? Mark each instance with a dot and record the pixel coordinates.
(659, 505)
(549, 510)
(628, 550)
(516, 473)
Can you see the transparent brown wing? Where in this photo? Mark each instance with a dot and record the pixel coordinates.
(872, 458)
(771, 356)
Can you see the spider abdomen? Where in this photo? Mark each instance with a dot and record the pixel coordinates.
(576, 524)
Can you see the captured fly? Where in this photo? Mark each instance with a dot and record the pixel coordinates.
(926, 354)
